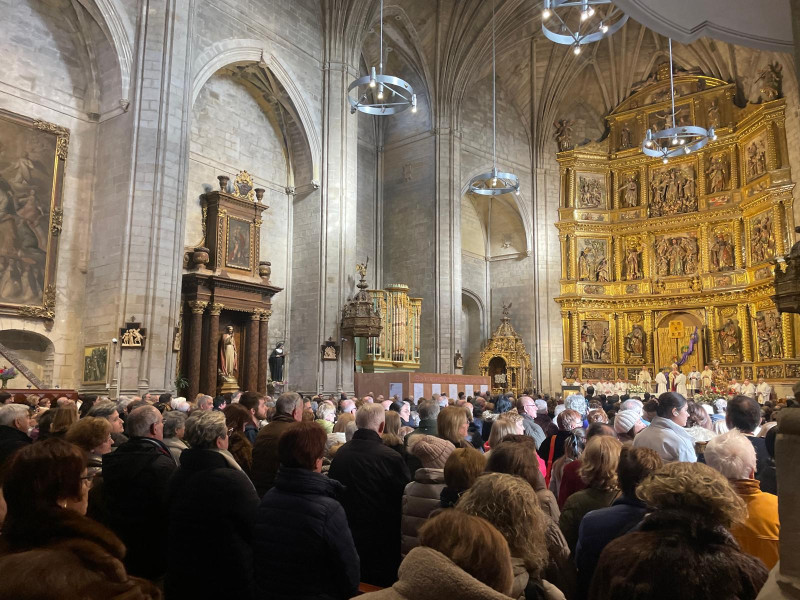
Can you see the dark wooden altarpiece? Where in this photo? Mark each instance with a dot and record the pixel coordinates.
(226, 284)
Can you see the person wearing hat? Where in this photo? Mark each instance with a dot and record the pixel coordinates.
(422, 496)
(627, 423)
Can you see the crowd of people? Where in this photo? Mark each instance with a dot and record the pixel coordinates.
(328, 497)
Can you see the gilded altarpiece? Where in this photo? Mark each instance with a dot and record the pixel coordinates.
(690, 243)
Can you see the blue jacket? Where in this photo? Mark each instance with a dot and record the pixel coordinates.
(597, 529)
(300, 520)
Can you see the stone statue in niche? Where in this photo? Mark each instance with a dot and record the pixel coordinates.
(634, 341)
(717, 173)
(756, 164)
(762, 238)
(771, 78)
(228, 355)
(713, 114)
(630, 196)
(591, 192)
(633, 262)
(730, 337)
(625, 137)
(672, 191)
(593, 262)
(769, 334)
(563, 134)
(676, 256)
(722, 252)
(458, 360)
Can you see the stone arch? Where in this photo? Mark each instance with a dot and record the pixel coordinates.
(34, 350)
(227, 52)
(473, 325)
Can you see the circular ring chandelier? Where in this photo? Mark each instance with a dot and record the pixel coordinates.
(494, 183)
(381, 94)
(583, 28)
(675, 141)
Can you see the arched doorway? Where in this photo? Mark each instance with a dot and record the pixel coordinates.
(670, 347)
(471, 332)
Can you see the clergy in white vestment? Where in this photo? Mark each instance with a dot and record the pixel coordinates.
(706, 378)
(734, 387)
(644, 379)
(748, 389)
(764, 390)
(620, 387)
(661, 382)
(677, 381)
(694, 382)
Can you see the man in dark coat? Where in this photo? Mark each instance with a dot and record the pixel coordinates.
(374, 477)
(744, 413)
(135, 480)
(14, 423)
(212, 510)
(301, 518)
(288, 410)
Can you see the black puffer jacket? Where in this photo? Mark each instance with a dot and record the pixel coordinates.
(212, 510)
(134, 492)
(300, 519)
(11, 440)
(374, 477)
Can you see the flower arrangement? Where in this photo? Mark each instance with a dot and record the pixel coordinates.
(7, 373)
(636, 389)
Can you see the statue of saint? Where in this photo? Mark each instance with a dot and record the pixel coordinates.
(730, 337)
(276, 360)
(228, 355)
(634, 341)
(632, 263)
(459, 360)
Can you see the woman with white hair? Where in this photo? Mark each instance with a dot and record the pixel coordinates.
(212, 507)
(174, 430)
(733, 455)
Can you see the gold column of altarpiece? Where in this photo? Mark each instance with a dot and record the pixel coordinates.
(644, 244)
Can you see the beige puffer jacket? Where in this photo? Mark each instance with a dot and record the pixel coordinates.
(420, 498)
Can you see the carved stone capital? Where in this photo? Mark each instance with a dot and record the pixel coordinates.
(256, 315)
(197, 306)
(265, 315)
(215, 309)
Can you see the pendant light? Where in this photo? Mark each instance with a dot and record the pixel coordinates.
(494, 183)
(379, 94)
(675, 141)
(562, 25)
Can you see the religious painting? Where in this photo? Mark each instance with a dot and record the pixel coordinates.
(590, 373)
(237, 251)
(635, 341)
(754, 157)
(770, 372)
(718, 173)
(793, 371)
(676, 254)
(32, 158)
(596, 341)
(721, 251)
(762, 238)
(629, 190)
(673, 190)
(593, 263)
(769, 334)
(591, 192)
(95, 364)
(715, 201)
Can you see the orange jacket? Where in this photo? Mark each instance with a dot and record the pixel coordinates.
(759, 534)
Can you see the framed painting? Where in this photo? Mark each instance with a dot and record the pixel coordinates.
(95, 364)
(238, 253)
(33, 154)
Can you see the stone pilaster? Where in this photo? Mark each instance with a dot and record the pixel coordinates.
(212, 345)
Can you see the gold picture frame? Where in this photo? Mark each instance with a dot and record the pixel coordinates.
(31, 215)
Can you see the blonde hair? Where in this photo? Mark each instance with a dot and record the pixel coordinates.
(503, 427)
(693, 487)
(510, 504)
(63, 418)
(473, 545)
(599, 462)
(391, 431)
(450, 419)
(342, 422)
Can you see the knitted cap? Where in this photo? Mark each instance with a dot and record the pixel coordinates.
(431, 451)
(625, 420)
(576, 402)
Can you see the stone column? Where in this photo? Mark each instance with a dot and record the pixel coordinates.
(212, 359)
(194, 347)
(253, 335)
(263, 350)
